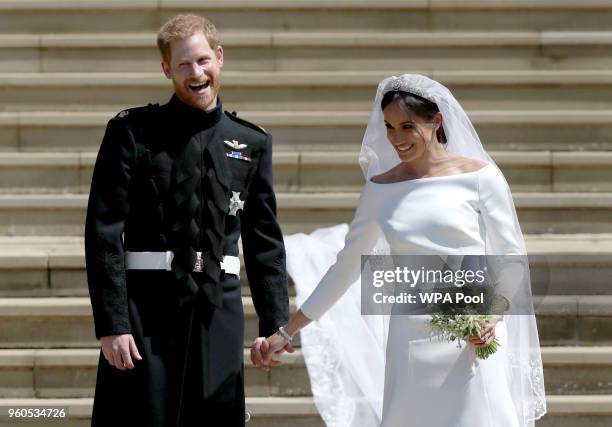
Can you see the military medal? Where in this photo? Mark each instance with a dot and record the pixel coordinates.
(238, 155)
(235, 203)
(235, 144)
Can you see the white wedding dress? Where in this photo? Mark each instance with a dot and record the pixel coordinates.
(427, 382)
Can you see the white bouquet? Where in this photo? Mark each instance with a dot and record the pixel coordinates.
(456, 327)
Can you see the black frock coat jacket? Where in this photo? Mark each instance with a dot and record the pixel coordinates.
(164, 180)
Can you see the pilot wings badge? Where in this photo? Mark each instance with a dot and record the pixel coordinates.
(236, 145)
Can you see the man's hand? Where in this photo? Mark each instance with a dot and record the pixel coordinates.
(266, 351)
(118, 350)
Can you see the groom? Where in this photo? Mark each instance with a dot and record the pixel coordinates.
(174, 188)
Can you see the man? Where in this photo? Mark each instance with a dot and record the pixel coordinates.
(174, 187)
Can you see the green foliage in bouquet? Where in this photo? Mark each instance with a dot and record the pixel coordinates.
(455, 322)
(457, 327)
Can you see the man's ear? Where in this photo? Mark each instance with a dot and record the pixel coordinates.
(166, 68)
(219, 55)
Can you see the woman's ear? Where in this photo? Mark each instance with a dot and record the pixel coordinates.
(438, 119)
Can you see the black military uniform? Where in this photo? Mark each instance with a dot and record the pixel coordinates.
(174, 178)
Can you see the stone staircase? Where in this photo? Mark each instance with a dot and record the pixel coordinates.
(533, 75)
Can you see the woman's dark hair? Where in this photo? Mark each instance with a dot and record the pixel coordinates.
(420, 106)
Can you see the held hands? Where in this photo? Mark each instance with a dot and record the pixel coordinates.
(488, 333)
(266, 351)
(118, 350)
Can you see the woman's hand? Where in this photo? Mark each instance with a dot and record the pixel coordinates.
(488, 333)
(266, 351)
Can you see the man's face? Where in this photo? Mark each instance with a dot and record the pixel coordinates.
(195, 70)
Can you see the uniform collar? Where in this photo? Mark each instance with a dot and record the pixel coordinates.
(196, 116)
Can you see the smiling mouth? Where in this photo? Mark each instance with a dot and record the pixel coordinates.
(404, 148)
(199, 88)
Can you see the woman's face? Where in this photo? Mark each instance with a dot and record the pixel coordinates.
(409, 134)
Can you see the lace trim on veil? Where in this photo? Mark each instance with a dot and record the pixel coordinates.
(324, 362)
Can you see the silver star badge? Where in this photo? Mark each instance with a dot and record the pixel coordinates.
(235, 144)
(235, 204)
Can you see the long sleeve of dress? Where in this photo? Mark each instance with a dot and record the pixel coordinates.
(503, 237)
(360, 239)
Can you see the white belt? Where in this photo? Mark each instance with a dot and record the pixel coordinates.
(163, 261)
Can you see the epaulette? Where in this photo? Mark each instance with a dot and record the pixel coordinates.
(234, 116)
(144, 121)
(138, 113)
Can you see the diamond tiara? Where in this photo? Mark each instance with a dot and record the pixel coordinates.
(398, 84)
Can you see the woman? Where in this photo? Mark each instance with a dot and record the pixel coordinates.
(431, 189)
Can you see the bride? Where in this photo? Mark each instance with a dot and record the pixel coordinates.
(431, 189)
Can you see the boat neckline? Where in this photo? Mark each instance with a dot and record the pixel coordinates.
(431, 177)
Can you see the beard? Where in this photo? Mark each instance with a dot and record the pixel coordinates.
(198, 96)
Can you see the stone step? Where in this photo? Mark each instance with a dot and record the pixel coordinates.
(35, 16)
(30, 278)
(311, 171)
(305, 91)
(539, 212)
(324, 50)
(55, 267)
(574, 320)
(326, 131)
(577, 370)
(265, 411)
(44, 266)
(66, 322)
(38, 266)
(563, 411)
(71, 373)
(577, 411)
